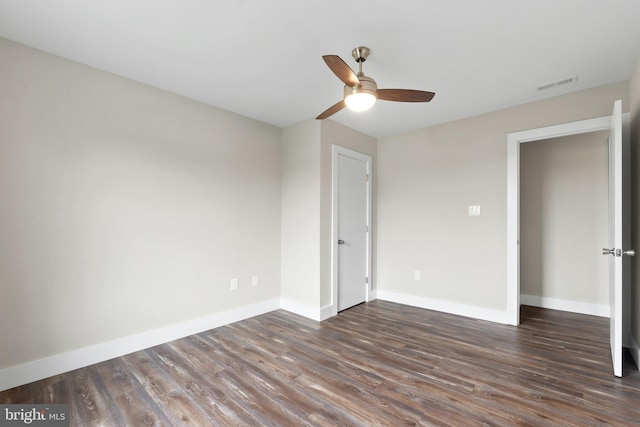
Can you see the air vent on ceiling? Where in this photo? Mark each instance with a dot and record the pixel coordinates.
(558, 83)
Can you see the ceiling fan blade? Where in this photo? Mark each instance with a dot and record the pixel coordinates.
(404, 95)
(331, 110)
(342, 70)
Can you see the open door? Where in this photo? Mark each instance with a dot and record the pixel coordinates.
(616, 234)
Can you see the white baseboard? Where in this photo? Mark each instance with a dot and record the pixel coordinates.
(35, 370)
(308, 311)
(326, 312)
(303, 310)
(601, 310)
(472, 311)
(635, 351)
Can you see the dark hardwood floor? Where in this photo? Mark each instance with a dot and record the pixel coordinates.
(376, 364)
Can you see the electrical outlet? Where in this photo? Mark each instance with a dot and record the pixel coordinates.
(234, 284)
(254, 281)
(416, 274)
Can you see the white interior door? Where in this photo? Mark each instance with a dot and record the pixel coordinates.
(352, 230)
(616, 249)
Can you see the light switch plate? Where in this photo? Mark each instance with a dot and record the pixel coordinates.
(234, 284)
(474, 210)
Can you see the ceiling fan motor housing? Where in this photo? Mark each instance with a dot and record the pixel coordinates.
(367, 85)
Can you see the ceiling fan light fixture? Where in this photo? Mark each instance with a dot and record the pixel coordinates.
(360, 101)
(361, 97)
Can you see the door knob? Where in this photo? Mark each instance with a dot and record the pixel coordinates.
(618, 252)
(341, 242)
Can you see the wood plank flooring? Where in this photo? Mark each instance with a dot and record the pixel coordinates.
(377, 364)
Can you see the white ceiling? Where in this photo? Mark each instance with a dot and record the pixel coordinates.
(262, 59)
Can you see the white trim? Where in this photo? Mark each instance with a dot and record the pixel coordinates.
(601, 310)
(472, 311)
(303, 310)
(513, 196)
(326, 312)
(35, 370)
(635, 351)
(337, 150)
(513, 229)
(308, 311)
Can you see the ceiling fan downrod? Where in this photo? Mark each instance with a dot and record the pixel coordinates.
(360, 54)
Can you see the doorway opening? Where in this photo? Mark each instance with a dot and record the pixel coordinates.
(513, 197)
(563, 222)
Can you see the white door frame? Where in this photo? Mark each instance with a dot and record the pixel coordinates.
(513, 197)
(337, 150)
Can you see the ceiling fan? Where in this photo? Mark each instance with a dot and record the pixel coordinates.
(360, 91)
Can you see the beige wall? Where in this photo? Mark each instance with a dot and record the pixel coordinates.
(300, 262)
(634, 100)
(564, 218)
(426, 180)
(124, 208)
